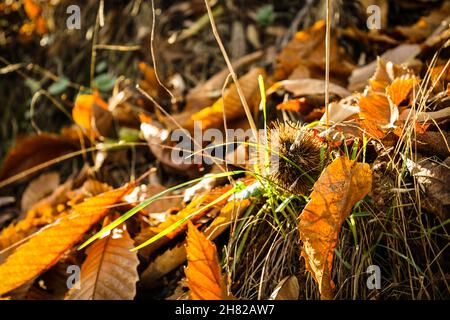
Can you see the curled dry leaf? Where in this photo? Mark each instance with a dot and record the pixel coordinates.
(433, 177)
(110, 269)
(340, 186)
(306, 50)
(287, 289)
(203, 273)
(388, 88)
(39, 188)
(44, 249)
(159, 144)
(306, 87)
(401, 54)
(32, 151)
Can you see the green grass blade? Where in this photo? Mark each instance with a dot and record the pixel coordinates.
(147, 202)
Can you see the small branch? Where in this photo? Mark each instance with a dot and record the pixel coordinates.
(233, 74)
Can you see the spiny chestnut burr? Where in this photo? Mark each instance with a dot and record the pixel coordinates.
(294, 157)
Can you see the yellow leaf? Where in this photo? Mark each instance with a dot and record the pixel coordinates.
(110, 269)
(340, 186)
(44, 249)
(203, 271)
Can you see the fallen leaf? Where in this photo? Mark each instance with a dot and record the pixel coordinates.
(110, 269)
(287, 289)
(38, 189)
(212, 117)
(32, 151)
(339, 187)
(198, 206)
(400, 89)
(203, 271)
(375, 108)
(41, 213)
(433, 177)
(32, 9)
(203, 94)
(398, 55)
(341, 110)
(91, 113)
(44, 249)
(307, 49)
(159, 144)
(305, 87)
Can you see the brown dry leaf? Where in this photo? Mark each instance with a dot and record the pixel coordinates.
(150, 83)
(110, 269)
(212, 117)
(339, 187)
(159, 144)
(203, 273)
(201, 96)
(398, 55)
(32, 151)
(38, 189)
(91, 114)
(380, 104)
(44, 249)
(306, 87)
(32, 9)
(41, 213)
(433, 177)
(287, 289)
(307, 49)
(38, 23)
(143, 192)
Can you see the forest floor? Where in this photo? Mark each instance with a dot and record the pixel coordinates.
(224, 149)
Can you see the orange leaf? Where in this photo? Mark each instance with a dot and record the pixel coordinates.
(83, 112)
(292, 105)
(32, 9)
(340, 186)
(399, 89)
(375, 108)
(203, 271)
(44, 249)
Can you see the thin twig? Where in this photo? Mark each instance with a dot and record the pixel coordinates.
(152, 52)
(233, 74)
(327, 62)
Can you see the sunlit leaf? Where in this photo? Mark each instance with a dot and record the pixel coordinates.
(340, 186)
(203, 271)
(45, 248)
